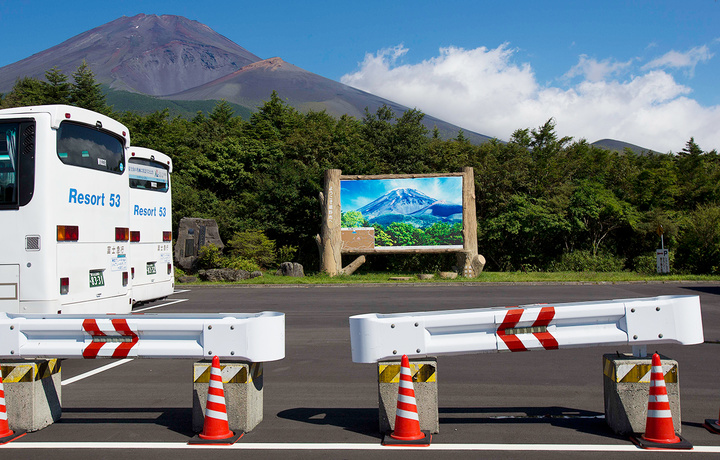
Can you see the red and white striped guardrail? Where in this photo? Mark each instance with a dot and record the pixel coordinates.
(258, 337)
(636, 322)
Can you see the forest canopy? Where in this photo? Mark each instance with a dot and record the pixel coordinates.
(542, 201)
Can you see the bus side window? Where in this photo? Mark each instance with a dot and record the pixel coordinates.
(8, 163)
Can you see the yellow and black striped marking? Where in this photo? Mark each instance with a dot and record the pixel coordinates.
(29, 371)
(636, 373)
(230, 373)
(390, 373)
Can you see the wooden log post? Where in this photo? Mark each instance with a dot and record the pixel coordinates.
(469, 261)
(330, 236)
(354, 265)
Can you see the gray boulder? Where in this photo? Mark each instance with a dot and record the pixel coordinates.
(226, 274)
(290, 269)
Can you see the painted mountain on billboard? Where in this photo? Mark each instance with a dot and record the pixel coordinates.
(405, 212)
(410, 206)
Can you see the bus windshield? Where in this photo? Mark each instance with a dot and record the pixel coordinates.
(8, 162)
(148, 175)
(88, 147)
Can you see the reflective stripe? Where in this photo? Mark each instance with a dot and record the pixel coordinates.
(658, 398)
(407, 399)
(407, 415)
(659, 414)
(215, 414)
(216, 399)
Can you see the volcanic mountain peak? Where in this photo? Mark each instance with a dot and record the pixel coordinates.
(145, 53)
(398, 201)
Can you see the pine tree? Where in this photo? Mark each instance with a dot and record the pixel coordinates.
(86, 92)
(57, 88)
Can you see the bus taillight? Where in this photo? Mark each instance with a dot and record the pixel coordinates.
(67, 232)
(169, 268)
(132, 272)
(125, 279)
(122, 233)
(167, 236)
(135, 236)
(64, 286)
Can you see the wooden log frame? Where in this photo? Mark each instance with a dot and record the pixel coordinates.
(330, 240)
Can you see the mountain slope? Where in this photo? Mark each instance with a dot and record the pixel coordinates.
(185, 60)
(254, 83)
(147, 54)
(620, 146)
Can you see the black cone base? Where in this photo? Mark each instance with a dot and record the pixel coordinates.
(12, 437)
(645, 444)
(422, 442)
(216, 442)
(713, 426)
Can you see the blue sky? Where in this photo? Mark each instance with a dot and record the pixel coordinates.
(646, 72)
(355, 194)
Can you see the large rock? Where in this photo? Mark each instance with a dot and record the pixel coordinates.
(290, 269)
(194, 233)
(227, 274)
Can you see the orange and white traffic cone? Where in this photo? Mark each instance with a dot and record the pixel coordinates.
(659, 431)
(6, 434)
(216, 429)
(407, 422)
(713, 426)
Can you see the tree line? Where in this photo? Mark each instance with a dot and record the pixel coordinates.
(543, 202)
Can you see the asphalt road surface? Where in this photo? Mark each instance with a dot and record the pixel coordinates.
(318, 403)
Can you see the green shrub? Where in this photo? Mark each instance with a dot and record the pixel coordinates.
(239, 263)
(209, 257)
(647, 263)
(287, 253)
(699, 241)
(253, 245)
(585, 261)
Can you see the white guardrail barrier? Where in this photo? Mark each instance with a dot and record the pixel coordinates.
(257, 337)
(636, 322)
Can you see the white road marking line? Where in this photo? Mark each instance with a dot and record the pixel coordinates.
(94, 371)
(20, 444)
(161, 305)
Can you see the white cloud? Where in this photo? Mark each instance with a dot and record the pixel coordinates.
(484, 90)
(677, 60)
(594, 70)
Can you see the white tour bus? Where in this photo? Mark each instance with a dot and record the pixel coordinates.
(64, 221)
(151, 264)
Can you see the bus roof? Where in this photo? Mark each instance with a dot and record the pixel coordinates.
(60, 112)
(150, 154)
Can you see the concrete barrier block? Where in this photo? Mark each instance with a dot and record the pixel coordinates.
(424, 373)
(33, 396)
(626, 385)
(243, 388)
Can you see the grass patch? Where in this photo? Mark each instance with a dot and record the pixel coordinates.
(270, 278)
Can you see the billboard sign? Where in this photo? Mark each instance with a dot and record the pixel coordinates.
(423, 212)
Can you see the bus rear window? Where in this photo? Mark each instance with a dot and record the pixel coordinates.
(148, 175)
(88, 147)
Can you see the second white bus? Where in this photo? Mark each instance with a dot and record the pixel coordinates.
(150, 205)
